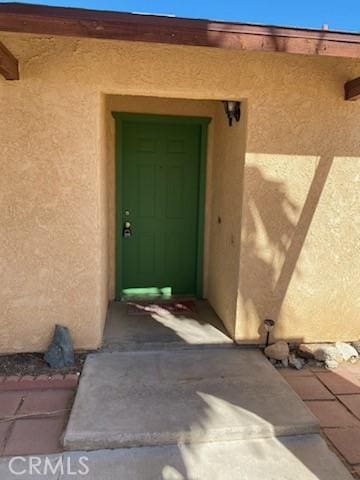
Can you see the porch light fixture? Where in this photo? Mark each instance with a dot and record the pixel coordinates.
(269, 326)
(232, 110)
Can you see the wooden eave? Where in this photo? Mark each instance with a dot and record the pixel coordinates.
(352, 89)
(9, 66)
(75, 22)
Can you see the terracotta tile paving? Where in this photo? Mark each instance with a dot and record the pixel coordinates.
(36, 436)
(47, 401)
(10, 402)
(352, 402)
(4, 430)
(40, 382)
(34, 413)
(332, 414)
(338, 384)
(292, 372)
(310, 388)
(347, 441)
(334, 398)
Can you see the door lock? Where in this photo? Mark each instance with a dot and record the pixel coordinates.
(127, 230)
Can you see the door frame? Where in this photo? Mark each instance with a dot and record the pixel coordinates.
(202, 122)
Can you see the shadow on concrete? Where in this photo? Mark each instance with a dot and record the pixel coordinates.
(189, 415)
(161, 329)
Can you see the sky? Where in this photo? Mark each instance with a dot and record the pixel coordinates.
(339, 15)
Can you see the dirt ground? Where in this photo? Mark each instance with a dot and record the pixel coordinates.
(34, 364)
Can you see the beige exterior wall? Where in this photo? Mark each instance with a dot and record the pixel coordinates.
(294, 235)
(225, 220)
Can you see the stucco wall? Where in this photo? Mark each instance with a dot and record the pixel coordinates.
(226, 207)
(299, 228)
(50, 215)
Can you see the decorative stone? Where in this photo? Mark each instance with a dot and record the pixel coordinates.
(296, 362)
(312, 363)
(278, 350)
(321, 352)
(60, 353)
(308, 351)
(356, 345)
(331, 364)
(348, 352)
(285, 362)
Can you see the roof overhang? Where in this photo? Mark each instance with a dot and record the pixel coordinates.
(75, 22)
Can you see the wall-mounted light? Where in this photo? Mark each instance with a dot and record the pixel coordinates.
(232, 110)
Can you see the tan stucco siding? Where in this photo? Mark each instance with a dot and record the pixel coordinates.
(50, 228)
(301, 214)
(225, 218)
(55, 191)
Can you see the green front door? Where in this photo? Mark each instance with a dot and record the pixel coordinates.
(159, 182)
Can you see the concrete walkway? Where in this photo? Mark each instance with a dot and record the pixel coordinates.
(159, 398)
(304, 457)
(206, 413)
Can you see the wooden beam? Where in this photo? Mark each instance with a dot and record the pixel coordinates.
(352, 89)
(75, 22)
(9, 66)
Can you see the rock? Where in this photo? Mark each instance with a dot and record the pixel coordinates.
(331, 354)
(321, 352)
(278, 350)
(285, 362)
(308, 350)
(312, 363)
(272, 361)
(356, 345)
(296, 362)
(348, 352)
(331, 364)
(60, 353)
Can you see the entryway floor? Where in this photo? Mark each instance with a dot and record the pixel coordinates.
(304, 457)
(215, 413)
(162, 329)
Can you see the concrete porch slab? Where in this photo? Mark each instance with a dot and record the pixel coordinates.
(163, 330)
(156, 398)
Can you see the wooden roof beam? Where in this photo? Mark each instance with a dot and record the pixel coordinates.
(75, 22)
(352, 89)
(9, 65)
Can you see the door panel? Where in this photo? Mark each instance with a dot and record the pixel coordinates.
(160, 190)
